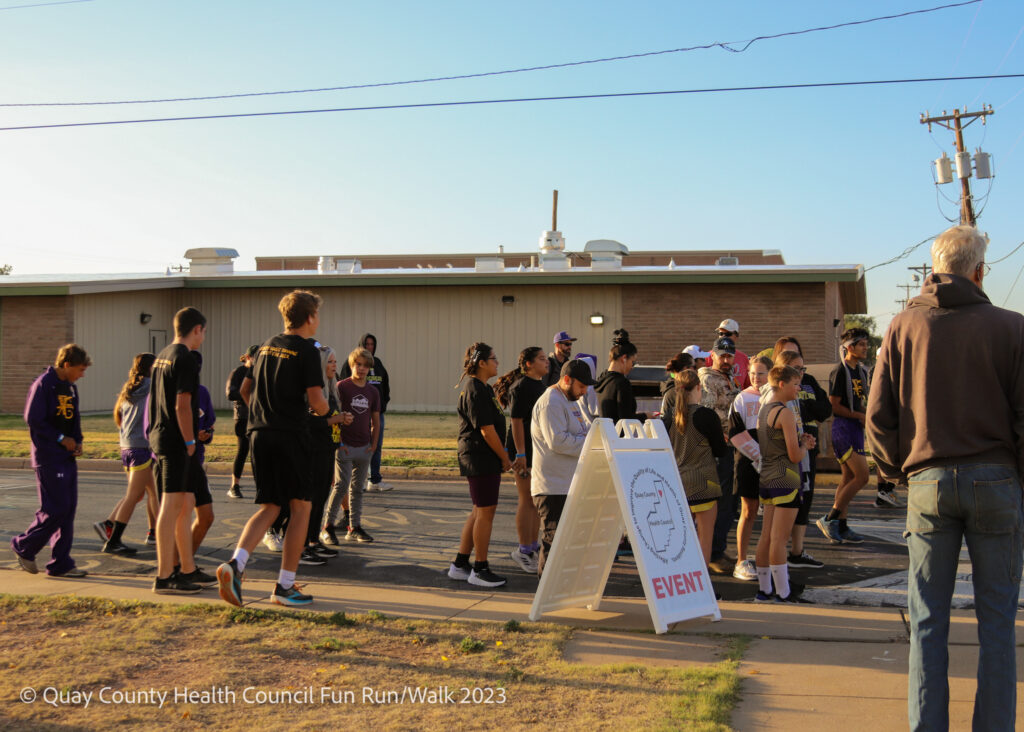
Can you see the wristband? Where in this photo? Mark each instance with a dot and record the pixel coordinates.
(520, 454)
(190, 443)
(60, 437)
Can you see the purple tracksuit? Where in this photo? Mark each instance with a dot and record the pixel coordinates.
(51, 410)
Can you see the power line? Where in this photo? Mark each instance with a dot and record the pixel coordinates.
(39, 5)
(905, 253)
(515, 100)
(1019, 273)
(724, 45)
(997, 261)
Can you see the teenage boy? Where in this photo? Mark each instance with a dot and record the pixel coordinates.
(379, 379)
(54, 425)
(173, 429)
(358, 441)
(286, 383)
(848, 392)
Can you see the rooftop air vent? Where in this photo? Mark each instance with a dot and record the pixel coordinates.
(211, 261)
(727, 261)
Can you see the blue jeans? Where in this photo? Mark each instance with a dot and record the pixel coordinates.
(375, 477)
(982, 504)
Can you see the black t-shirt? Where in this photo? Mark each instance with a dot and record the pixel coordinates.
(284, 367)
(478, 408)
(175, 371)
(837, 381)
(521, 398)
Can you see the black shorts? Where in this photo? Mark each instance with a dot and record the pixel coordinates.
(172, 473)
(747, 479)
(483, 489)
(280, 467)
(198, 483)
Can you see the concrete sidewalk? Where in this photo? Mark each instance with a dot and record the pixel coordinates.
(806, 662)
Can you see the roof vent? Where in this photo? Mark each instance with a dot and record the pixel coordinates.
(211, 261)
(727, 261)
(605, 253)
(326, 264)
(489, 264)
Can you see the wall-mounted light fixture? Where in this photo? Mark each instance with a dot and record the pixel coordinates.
(145, 318)
(508, 299)
(597, 319)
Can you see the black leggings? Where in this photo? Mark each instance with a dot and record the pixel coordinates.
(805, 506)
(242, 452)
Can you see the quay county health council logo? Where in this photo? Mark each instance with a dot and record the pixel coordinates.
(657, 515)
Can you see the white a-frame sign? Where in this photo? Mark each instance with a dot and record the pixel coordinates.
(633, 480)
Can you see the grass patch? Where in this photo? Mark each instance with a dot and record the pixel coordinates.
(411, 440)
(499, 676)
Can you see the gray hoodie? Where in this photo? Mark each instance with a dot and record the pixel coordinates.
(948, 387)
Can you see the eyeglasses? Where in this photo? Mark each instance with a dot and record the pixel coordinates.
(801, 369)
(491, 358)
(985, 268)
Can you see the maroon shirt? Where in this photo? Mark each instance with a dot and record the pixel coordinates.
(362, 402)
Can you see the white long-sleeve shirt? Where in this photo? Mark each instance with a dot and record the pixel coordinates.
(558, 429)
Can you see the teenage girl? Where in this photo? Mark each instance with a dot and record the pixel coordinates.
(129, 414)
(482, 459)
(743, 418)
(782, 449)
(615, 398)
(519, 390)
(697, 439)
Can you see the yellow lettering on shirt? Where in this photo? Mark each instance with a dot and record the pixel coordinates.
(65, 407)
(278, 352)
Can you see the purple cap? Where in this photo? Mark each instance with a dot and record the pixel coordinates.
(562, 337)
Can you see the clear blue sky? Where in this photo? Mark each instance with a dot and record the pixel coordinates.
(836, 175)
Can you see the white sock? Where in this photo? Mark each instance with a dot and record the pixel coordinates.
(780, 573)
(285, 578)
(241, 556)
(764, 580)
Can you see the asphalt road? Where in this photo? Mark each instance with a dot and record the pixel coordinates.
(416, 528)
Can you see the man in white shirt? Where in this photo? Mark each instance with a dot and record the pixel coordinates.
(558, 430)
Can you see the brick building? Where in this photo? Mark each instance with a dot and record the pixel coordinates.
(424, 312)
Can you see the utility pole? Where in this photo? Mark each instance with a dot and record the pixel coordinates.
(924, 270)
(963, 158)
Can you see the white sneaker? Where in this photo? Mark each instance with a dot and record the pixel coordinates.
(745, 570)
(525, 562)
(272, 541)
(381, 487)
(886, 499)
(458, 573)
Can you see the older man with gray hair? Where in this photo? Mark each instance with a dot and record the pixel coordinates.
(954, 428)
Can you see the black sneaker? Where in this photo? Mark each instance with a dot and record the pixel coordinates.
(803, 560)
(484, 577)
(116, 547)
(291, 596)
(310, 559)
(73, 573)
(793, 599)
(356, 533)
(235, 492)
(199, 577)
(175, 585)
(323, 551)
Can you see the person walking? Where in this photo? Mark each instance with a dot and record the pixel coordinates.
(951, 423)
(55, 429)
(241, 414)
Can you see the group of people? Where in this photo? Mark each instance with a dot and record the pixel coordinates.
(313, 435)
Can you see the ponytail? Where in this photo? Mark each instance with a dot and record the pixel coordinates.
(686, 381)
(503, 386)
(142, 365)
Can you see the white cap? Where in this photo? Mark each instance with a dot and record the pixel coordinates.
(730, 325)
(695, 352)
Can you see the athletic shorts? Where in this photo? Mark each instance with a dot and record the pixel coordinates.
(702, 507)
(847, 438)
(198, 483)
(747, 479)
(280, 467)
(136, 458)
(483, 489)
(172, 472)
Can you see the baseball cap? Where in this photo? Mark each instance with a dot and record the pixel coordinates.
(695, 352)
(561, 336)
(730, 325)
(590, 360)
(579, 370)
(724, 345)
